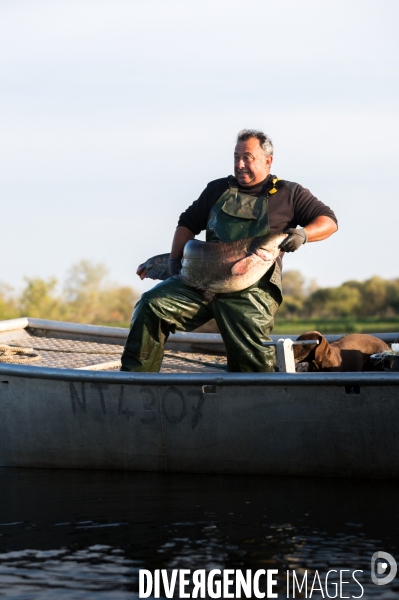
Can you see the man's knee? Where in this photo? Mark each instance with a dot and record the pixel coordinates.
(156, 298)
(148, 299)
(155, 310)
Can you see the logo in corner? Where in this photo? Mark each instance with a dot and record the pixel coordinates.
(379, 565)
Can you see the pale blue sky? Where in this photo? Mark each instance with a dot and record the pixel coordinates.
(116, 114)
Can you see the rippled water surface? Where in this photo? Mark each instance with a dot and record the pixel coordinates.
(86, 534)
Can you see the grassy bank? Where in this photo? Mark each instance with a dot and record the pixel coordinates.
(332, 325)
(337, 325)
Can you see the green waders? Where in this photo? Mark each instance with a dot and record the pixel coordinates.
(244, 318)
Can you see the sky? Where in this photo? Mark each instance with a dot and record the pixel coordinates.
(114, 116)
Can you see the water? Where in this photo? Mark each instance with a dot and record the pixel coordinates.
(86, 534)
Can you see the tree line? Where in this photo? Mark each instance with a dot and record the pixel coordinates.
(374, 297)
(87, 296)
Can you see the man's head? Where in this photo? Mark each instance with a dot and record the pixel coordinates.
(253, 156)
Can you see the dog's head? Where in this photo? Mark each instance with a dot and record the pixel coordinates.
(318, 354)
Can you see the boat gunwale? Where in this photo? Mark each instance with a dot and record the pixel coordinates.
(376, 378)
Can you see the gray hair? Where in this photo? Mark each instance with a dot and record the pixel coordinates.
(264, 140)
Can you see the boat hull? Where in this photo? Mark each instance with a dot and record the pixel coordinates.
(309, 424)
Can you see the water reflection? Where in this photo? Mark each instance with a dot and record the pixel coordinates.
(84, 534)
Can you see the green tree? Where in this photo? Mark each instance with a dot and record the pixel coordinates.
(8, 303)
(393, 296)
(118, 303)
(339, 301)
(374, 297)
(39, 300)
(90, 298)
(293, 284)
(82, 291)
(295, 290)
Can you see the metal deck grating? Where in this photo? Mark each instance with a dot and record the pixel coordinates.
(76, 354)
(188, 362)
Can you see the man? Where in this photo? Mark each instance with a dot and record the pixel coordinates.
(244, 318)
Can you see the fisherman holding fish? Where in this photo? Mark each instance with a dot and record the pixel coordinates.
(254, 219)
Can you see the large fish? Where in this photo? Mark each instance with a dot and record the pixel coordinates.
(220, 267)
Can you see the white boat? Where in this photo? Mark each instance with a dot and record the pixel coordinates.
(72, 408)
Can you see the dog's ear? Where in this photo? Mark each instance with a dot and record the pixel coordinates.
(306, 352)
(301, 353)
(322, 352)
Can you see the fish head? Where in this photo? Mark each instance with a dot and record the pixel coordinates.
(155, 267)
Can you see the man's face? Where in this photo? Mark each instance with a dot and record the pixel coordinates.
(251, 165)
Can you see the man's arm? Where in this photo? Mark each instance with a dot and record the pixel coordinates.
(181, 237)
(194, 220)
(320, 229)
(317, 219)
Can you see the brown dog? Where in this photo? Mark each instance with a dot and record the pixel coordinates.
(350, 353)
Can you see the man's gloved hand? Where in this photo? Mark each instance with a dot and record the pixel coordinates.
(295, 239)
(174, 266)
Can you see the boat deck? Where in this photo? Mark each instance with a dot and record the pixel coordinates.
(61, 353)
(58, 345)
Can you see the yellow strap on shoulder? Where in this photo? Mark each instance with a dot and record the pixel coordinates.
(274, 188)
